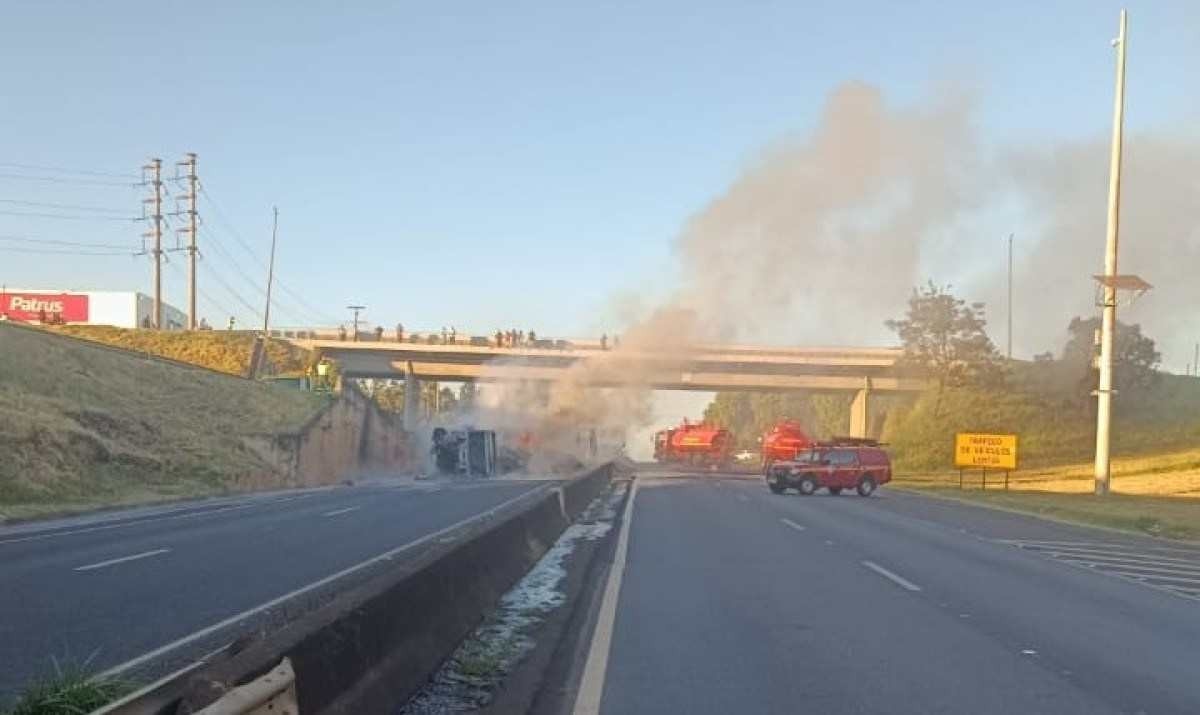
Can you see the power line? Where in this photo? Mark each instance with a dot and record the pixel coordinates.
(69, 180)
(62, 170)
(236, 296)
(52, 205)
(64, 252)
(55, 242)
(309, 308)
(69, 217)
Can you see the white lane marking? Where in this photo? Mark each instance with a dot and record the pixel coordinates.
(123, 559)
(1155, 577)
(138, 522)
(1123, 566)
(893, 577)
(591, 686)
(347, 510)
(794, 525)
(207, 630)
(1117, 555)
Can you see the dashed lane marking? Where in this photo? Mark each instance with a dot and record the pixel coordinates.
(792, 524)
(121, 560)
(891, 576)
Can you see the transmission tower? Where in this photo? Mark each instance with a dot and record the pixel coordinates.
(154, 181)
(193, 221)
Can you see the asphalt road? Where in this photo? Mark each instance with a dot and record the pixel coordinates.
(736, 600)
(111, 588)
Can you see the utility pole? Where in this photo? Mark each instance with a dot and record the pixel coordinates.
(155, 201)
(270, 271)
(1109, 316)
(356, 309)
(1010, 294)
(193, 224)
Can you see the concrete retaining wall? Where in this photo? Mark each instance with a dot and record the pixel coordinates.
(375, 646)
(348, 435)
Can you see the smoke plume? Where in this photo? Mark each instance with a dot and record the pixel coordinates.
(822, 238)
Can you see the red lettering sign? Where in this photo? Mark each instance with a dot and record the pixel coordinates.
(70, 307)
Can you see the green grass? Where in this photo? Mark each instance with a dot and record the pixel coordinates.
(82, 426)
(70, 691)
(1054, 424)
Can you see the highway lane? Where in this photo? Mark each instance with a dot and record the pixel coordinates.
(737, 600)
(112, 588)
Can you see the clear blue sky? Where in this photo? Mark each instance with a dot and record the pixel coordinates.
(498, 164)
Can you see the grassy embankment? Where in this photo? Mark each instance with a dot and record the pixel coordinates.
(1156, 447)
(215, 349)
(82, 426)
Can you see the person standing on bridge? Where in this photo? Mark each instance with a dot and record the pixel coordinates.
(453, 335)
(341, 330)
(604, 341)
(532, 337)
(499, 339)
(379, 333)
(399, 332)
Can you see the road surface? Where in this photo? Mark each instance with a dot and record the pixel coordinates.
(113, 588)
(736, 600)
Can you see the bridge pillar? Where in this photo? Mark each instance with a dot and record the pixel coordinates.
(860, 411)
(412, 398)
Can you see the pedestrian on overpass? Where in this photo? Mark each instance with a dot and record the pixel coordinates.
(341, 332)
(499, 339)
(399, 332)
(532, 338)
(379, 333)
(453, 336)
(604, 341)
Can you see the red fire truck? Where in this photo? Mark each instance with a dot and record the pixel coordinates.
(783, 442)
(695, 444)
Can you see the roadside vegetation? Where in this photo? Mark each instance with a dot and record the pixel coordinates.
(82, 426)
(1047, 402)
(70, 691)
(221, 350)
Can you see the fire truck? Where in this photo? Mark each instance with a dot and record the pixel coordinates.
(700, 445)
(783, 442)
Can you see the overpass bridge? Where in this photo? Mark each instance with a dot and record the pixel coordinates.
(700, 368)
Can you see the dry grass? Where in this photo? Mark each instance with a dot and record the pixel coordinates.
(220, 350)
(1174, 474)
(82, 426)
(1157, 495)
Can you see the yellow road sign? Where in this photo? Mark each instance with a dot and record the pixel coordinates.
(988, 451)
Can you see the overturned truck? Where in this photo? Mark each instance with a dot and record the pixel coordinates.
(465, 452)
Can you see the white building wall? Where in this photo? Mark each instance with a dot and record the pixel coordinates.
(112, 308)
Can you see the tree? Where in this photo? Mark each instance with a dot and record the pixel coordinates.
(944, 338)
(1135, 357)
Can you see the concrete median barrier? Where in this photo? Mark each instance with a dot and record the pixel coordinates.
(374, 646)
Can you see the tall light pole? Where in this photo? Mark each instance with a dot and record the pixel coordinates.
(270, 272)
(1010, 296)
(356, 309)
(1109, 316)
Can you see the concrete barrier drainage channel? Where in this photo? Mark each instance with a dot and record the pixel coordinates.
(376, 646)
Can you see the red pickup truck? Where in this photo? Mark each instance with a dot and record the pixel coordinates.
(853, 464)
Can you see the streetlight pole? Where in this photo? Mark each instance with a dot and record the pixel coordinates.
(1109, 316)
(356, 309)
(1010, 295)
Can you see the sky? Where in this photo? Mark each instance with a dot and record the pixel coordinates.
(488, 165)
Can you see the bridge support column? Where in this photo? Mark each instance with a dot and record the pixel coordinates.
(860, 411)
(412, 398)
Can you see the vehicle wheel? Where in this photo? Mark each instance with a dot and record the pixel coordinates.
(807, 485)
(866, 486)
(835, 490)
(777, 488)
